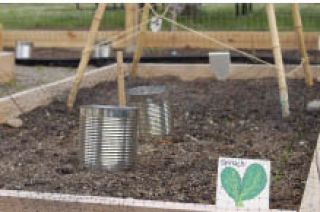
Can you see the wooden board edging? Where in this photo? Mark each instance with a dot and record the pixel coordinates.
(163, 39)
(311, 196)
(35, 201)
(189, 72)
(44, 94)
(7, 67)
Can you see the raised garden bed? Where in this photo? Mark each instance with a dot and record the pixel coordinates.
(237, 118)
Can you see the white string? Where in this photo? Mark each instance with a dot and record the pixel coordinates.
(294, 70)
(133, 28)
(128, 31)
(212, 39)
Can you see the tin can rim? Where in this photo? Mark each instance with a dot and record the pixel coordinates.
(109, 107)
(147, 90)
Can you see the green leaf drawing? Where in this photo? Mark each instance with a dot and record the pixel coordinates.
(231, 182)
(252, 184)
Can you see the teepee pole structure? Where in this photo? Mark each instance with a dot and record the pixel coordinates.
(318, 162)
(303, 51)
(283, 89)
(86, 54)
(140, 37)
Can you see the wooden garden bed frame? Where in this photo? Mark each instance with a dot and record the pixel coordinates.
(163, 39)
(178, 39)
(35, 201)
(43, 95)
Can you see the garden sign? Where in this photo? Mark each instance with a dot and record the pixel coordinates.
(243, 183)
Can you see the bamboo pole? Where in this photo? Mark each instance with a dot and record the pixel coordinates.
(283, 89)
(140, 38)
(131, 20)
(1, 37)
(121, 86)
(318, 162)
(303, 51)
(86, 54)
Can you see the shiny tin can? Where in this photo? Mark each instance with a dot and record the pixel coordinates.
(23, 49)
(154, 110)
(108, 136)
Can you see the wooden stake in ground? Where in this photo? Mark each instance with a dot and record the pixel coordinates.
(303, 51)
(283, 89)
(140, 39)
(121, 86)
(86, 54)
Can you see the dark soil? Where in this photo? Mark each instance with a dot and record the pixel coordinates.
(230, 119)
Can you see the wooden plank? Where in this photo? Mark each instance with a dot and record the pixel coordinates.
(7, 67)
(311, 197)
(15, 201)
(189, 72)
(43, 95)
(178, 39)
(59, 39)
(245, 40)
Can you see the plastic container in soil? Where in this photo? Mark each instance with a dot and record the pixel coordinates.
(108, 137)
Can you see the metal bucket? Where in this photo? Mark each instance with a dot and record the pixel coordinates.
(154, 110)
(102, 50)
(108, 136)
(23, 49)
